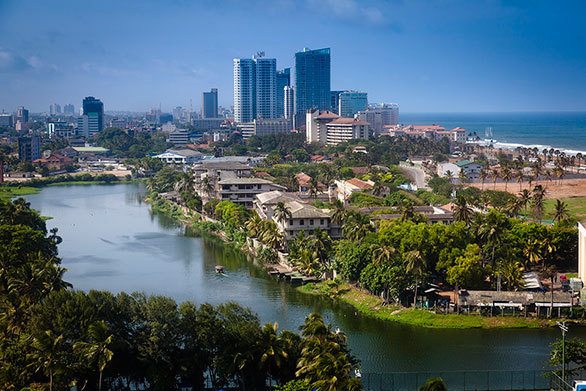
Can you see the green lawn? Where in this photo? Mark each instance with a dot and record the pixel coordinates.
(11, 192)
(576, 207)
(373, 306)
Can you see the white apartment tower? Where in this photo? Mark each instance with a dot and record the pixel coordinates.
(380, 115)
(289, 97)
(244, 94)
(255, 88)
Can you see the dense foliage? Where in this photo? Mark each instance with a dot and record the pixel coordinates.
(122, 144)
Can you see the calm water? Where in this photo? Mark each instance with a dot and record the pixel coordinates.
(112, 242)
(564, 130)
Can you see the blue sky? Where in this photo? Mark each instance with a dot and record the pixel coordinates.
(426, 55)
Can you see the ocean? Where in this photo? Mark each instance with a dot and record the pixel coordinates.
(565, 131)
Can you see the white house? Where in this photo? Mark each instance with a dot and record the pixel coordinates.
(180, 156)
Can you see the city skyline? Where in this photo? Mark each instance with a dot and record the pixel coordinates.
(444, 56)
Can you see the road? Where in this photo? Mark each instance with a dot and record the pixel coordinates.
(417, 175)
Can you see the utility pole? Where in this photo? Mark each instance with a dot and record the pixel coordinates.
(564, 329)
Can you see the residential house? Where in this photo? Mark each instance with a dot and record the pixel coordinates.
(53, 162)
(353, 185)
(432, 214)
(180, 156)
(242, 190)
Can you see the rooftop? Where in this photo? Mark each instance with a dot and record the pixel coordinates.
(249, 181)
(348, 121)
(275, 196)
(305, 211)
(91, 149)
(359, 183)
(222, 165)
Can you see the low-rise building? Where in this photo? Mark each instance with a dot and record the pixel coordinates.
(264, 126)
(242, 190)
(53, 162)
(353, 185)
(432, 214)
(471, 169)
(180, 156)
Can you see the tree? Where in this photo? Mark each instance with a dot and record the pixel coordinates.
(434, 384)
(574, 356)
(383, 254)
(96, 350)
(339, 212)
(416, 265)
(560, 211)
(467, 271)
(48, 350)
(550, 273)
(493, 230)
(525, 198)
(538, 201)
(314, 187)
(507, 175)
(462, 212)
(282, 212)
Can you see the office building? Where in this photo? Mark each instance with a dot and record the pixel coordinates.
(312, 80)
(69, 109)
(22, 115)
(380, 115)
(92, 119)
(335, 100)
(60, 129)
(209, 104)
(283, 80)
(244, 94)
(351, 102)
(54, 109)
(289, 102)
(255, 88)
(179, 137)
(29, 148)
(344, 129)
(6, 120)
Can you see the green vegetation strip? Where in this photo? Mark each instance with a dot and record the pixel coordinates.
(373, 306)
(11, 192)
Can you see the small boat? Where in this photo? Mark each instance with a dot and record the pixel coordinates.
(220, 269)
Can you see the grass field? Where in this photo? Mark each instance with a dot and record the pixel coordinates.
(11, 192)
(576, 207)
(373, 306)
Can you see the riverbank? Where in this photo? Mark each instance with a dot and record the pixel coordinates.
(373, 306)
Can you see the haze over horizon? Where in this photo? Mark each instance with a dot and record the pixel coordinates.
(428, 56)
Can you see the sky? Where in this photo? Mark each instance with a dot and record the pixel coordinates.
(425, 55)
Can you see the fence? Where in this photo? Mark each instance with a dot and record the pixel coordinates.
(460, 380)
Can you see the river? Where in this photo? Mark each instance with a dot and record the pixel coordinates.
(111, 241)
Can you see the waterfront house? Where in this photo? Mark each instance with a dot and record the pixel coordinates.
(180, 156)
(242, 190)
(53, 162)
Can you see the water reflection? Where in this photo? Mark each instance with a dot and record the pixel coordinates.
(112, 242)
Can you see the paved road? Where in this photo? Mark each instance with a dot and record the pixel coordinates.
(417, 175)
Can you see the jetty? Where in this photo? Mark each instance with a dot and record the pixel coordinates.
(289, 274)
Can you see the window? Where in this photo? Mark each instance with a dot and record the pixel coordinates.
(321, 221)
(290, 221)
(259, 187)
(301, 222)
(225, 187)
(311, 222)
(241, 187)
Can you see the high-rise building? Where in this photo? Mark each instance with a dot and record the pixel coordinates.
(351, 102)
(22, 115)
(209, 104)
(283, 80)
(255, 88)
(6, 119)
(92, 120)
(55, 109)
(335, 101)
(69, 109)
(380, 115)
(59, 129)
(312, 80)
(266, 86)
(289, 102)
(244, 96)
(29, 148)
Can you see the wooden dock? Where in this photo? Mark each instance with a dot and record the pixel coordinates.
(289, 274)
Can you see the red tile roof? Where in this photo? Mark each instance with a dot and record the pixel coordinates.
(359, 183)
(348, 121)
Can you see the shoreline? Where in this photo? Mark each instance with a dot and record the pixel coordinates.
(373, 306)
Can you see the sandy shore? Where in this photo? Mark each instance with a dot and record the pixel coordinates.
(567, 188)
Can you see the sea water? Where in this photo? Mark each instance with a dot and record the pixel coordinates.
(565, 131)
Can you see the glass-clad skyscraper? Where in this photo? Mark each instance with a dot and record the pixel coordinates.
(312, 80)
(283, 80)
(94, 108)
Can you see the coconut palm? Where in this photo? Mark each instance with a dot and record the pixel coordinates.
(338, 212)
(483, 175)
(314, 187)
(96, 350)
(407, 210)
(493, 230)
(520, 176)
(282, 212)
(185, 182)
(525, 198)
(533, 251)
(561, 211)
(462, 212)
(538, 201)
(254, 225)
(549, 273)
(507, 175)
(495, 176)
(271, 236)
(416, 265)
(47, 354)
(271, 350)
(383, 254)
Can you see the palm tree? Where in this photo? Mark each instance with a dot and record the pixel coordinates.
(561, 211)
(483, 175)
(416, 264)
(97, 349)
(538, 201)
(493, 230)
(271, 236)
(495, 177)
(524, 198)
(549, 273)
(383, 254)
(271, 350)
(254, 225)
(339, 212)
(282, 212)
(507, 175)
(462, 212)
(185, 182)
(520, 177)
(533, 251)
(407, 210)
(47, 352)
(314, 186)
